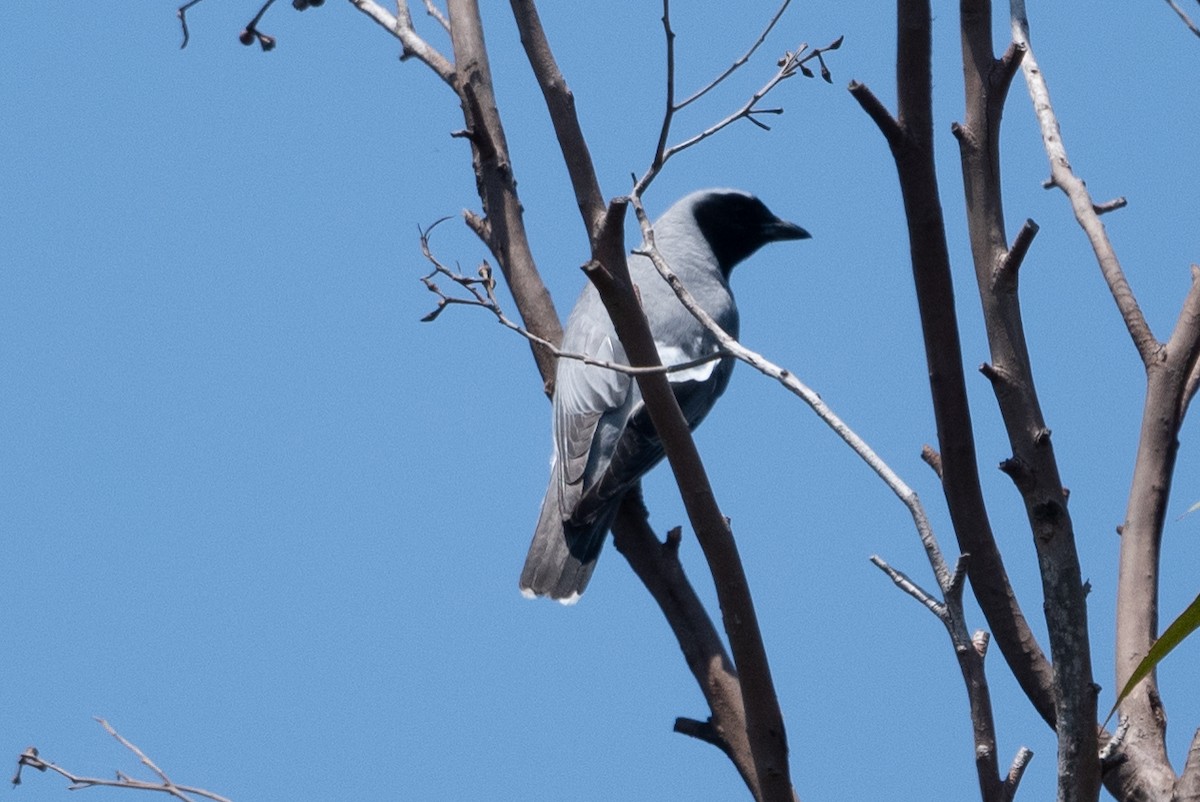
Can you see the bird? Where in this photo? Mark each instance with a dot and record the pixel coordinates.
(604, 441)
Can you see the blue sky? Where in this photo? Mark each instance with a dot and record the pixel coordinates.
(270, 525)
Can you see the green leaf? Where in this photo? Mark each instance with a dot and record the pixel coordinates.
(1180, 628)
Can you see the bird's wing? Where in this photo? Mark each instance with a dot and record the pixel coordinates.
(583, 394)
(638, 448)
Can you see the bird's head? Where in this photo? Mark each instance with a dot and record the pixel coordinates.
(736, 224)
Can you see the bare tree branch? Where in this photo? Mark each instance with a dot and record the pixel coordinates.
(561, 104)
(1144, 770)
(505, 232)
(1033, 466)
(485, 298)
(657, 566)
(1016, 772)
(732, 68)
(1187, 788)
(788, 65)
(1183, 16)
(31, 759)
(432, 10)
(888, 125)
(1063, 177)
(970, 653)
(1167, 381)
(400, 26)
(910, 138)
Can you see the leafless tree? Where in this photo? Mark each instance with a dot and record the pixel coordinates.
(1132, 764)
(745, 719)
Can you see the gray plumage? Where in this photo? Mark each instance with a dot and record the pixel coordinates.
(603, 439)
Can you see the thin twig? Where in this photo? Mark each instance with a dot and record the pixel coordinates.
(1183, 16)
(910, 587)
(738, 62)
(432, 10)
(485, 298)
(1062, 176)
(248, 35)
(181, 12)
(30, 758)
(789, 64)
(146, 761)
(664, 131)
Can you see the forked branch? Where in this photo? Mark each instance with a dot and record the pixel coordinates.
(657, 565)
(909, 135)
(970, 652)
(400, 25)
(480, 292)
(1143, 770)
(1033, 466)
(730, 70)
(30, 758)
(1086, 210)
(788, 65)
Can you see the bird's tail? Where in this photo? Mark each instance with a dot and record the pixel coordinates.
(560, 563)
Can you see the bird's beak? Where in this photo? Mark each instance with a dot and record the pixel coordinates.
(783, 230)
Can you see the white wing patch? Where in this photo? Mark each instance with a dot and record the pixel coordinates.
(674, 355)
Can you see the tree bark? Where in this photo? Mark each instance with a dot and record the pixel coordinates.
(1033, 466)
